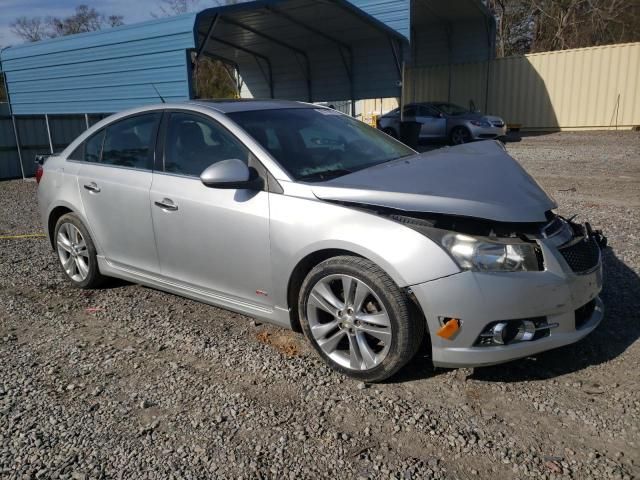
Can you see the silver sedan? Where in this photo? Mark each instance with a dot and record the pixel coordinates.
(442, 121)
(304, 217)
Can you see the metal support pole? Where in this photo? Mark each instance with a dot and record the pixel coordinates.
(352, 88)
(396, 57)
(17, 137)
(271, 83)
(205, 42)
(449, 59)
(86, 121)
(402, 94)
(46, 121)
(309, 78)
(13, 121)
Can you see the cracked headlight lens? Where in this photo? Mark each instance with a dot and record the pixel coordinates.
(484, 255)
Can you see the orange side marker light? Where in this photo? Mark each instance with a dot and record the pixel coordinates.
(449, 329)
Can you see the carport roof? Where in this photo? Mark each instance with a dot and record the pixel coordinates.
(304, 49)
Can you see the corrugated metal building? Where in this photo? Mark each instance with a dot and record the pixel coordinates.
(311, 50)
(585, 88)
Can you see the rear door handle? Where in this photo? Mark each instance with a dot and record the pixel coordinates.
(167, 204)
(92, 187)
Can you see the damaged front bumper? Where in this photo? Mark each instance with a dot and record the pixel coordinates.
(561, 302)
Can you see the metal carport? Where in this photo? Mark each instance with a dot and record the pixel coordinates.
(310, 50)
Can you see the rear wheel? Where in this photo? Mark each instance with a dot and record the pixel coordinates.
(357, 318)
(76, 252)
(460, 135)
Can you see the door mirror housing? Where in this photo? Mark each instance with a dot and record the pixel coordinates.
(231, 174)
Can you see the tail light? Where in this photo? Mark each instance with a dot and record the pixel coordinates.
(40, 159)
(39, 173)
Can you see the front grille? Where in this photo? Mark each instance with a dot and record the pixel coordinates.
(583, 314)
(583, 255)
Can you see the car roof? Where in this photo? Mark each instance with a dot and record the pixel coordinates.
(249, 105)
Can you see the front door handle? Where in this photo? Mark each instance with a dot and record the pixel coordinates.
(92, 187)
(167, 204)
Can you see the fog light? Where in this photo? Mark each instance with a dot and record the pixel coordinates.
(526, 331)
(504, 332)
(507, 332)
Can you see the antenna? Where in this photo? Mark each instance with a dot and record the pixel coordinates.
(158, 93)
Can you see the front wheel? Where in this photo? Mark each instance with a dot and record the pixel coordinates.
(460, 135)
(357, 319)
(76, 252)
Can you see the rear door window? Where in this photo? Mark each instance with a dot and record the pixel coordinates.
(410, 111)
(131, 142)
(427, 111)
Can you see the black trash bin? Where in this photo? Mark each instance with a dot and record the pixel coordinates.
(410, 133)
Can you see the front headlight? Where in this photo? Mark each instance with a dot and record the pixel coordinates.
(485, 255)
(480, 123)
(480, 253)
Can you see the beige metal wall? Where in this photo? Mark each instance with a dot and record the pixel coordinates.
(370, 109)
(587, 88)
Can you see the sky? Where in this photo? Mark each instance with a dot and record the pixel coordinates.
(132, 10)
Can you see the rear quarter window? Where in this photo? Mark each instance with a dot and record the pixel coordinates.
(90, 150)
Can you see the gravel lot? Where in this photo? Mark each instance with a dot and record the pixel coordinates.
(129, 382)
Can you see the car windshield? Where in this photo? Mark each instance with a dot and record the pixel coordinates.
(317, 144)
(451, 109)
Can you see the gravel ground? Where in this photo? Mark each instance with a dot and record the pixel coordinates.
(129, 382)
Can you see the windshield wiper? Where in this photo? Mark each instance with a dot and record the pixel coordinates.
(325, 175)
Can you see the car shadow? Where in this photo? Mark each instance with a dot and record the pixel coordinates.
(113, 283)
(619, 329)
(515, 136)
(512, 136)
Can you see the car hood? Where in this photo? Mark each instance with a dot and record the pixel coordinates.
(474, 180)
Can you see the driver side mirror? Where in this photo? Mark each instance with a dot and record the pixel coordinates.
(231, 174)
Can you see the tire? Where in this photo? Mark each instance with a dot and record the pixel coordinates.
(77, 252)
(460, 135)
(391, 132)
(330, 324)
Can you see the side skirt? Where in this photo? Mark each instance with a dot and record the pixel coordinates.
(277, 316)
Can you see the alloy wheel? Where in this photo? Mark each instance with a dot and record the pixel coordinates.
(349, 322)
(73, 252)
(459, 136)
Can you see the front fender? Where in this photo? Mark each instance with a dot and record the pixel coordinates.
(302, 226)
